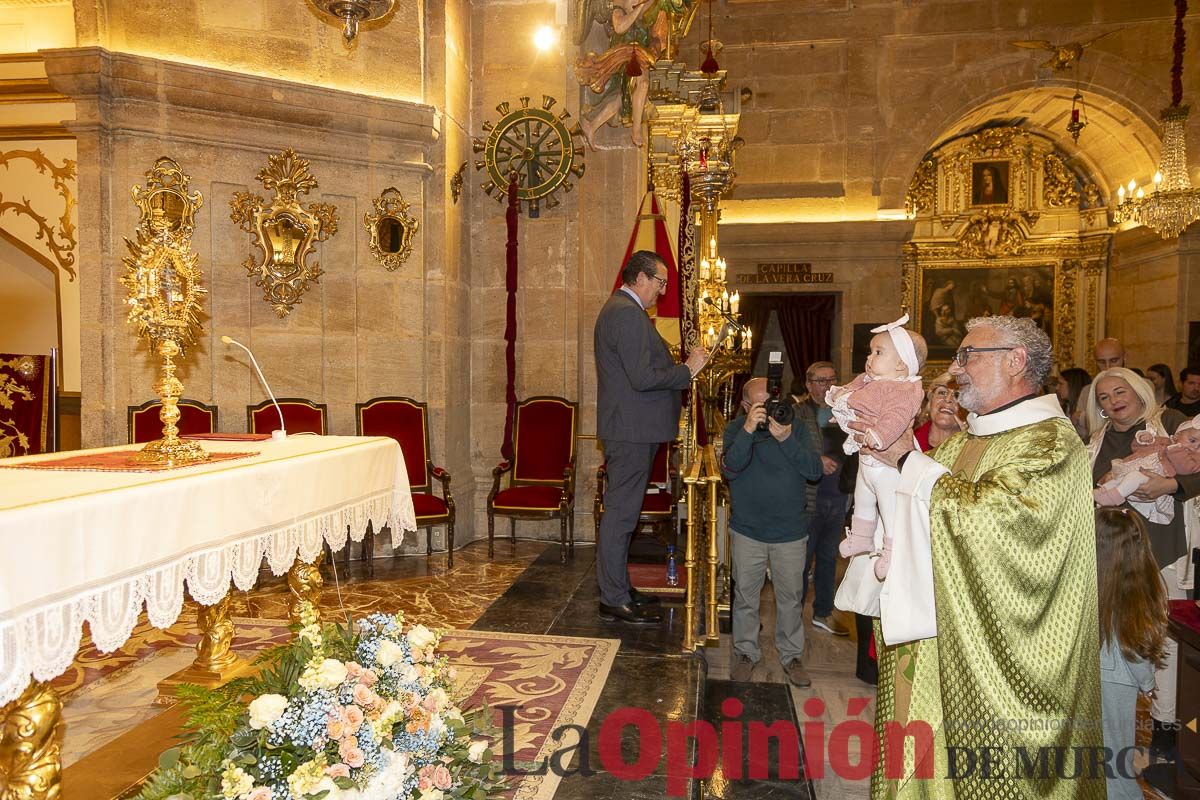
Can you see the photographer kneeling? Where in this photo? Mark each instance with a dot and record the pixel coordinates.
(767, 464)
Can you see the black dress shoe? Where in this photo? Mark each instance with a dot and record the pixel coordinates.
(630, 613)
(640, 600)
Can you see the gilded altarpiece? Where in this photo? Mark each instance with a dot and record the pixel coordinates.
(1006, 223)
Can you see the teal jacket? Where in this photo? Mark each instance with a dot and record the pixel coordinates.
(768, 481)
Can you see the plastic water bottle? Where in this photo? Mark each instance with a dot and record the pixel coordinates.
(672, 569)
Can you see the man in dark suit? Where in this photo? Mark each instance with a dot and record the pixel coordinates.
(638, 400)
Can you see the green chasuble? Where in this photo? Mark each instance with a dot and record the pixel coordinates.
(1015, 665)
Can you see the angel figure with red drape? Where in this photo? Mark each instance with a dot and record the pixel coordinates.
(639, 33)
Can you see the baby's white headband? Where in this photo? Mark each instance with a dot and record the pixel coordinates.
(903, 342)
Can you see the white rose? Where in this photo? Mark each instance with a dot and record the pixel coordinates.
(420, 637)
(476, 750)
(266, 709)
(389, 653)
(437, 699)
(408, 673)
(331, 673)
(437, 726)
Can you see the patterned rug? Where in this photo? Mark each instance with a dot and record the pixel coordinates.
(550, 680)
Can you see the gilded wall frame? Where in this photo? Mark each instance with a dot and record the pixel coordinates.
(1018, 227)
(391, 228)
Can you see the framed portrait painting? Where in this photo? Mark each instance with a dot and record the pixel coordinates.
(989, 183)
(951, 296)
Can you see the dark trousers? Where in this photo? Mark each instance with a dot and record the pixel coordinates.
(628, 465)
(825, 531)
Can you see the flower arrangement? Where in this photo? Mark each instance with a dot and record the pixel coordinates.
(355, 712)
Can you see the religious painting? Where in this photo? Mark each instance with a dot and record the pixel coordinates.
(950, 297)
(989, 183)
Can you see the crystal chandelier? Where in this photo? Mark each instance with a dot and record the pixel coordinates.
(1174, 204)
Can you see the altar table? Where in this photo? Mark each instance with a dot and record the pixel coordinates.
(97, 547)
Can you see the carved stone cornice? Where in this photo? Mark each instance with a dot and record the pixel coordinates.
(124, 93)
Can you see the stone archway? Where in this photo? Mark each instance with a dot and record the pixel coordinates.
(1123, 96)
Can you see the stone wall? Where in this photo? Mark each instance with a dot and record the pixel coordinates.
(282, 39)
(1153, 294)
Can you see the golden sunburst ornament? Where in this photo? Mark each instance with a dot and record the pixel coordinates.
(537, 145)
(162, 279)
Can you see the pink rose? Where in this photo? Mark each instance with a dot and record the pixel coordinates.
(354, 669)
(335, 727)
(347, 746)
(425, 777)
(441, 777)
(363, 695)
(354, 758)
(338, 770)
(354, 717)
(368, 677)
(260, 793)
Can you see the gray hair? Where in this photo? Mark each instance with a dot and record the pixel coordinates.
(1024, 333)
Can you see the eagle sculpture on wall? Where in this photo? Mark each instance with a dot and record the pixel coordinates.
(1063, 56)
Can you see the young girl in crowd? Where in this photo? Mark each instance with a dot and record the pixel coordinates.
(1133, 622)
(1163, 455)
(885, 398)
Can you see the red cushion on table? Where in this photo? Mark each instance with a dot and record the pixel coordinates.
(531, 498)
(659, 503)
(428, 505)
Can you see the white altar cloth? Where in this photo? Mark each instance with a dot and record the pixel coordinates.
(96, 547)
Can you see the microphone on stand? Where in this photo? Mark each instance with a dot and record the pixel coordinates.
(280, 434)
(733, 323)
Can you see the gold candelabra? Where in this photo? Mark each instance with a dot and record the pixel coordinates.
(163, 282)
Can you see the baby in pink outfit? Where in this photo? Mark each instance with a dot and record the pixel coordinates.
(886, 398)
(1165, 455)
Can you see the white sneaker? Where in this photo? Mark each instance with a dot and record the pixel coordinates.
(830, 625)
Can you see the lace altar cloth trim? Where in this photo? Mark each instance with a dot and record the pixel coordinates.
(118, 461)
(43, 643)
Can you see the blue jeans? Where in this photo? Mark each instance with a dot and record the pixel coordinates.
(825, 531)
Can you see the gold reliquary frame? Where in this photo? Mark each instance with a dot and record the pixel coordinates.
(164, 294)
(391, 228)
(284, 232)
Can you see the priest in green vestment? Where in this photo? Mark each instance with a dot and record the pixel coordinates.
(988, 634)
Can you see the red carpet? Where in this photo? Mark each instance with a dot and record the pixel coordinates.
(652, 579)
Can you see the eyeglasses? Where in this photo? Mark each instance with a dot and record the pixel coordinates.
(662, 282)
(823, 381)
(963, 356)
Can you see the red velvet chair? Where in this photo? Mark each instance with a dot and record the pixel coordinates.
(194, 417)
(659, 509)
(406, 421)
(542, 479)
(28, 404)
(299, 416)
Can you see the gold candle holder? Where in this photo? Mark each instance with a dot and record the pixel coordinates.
(164, 291)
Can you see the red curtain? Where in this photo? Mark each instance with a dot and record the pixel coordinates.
(806, 321)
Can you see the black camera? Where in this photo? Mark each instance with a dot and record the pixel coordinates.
(779, 404)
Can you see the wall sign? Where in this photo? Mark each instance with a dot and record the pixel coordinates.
(786, 273)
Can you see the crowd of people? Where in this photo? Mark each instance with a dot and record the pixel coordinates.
(1027, 532)
(1144, 454)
